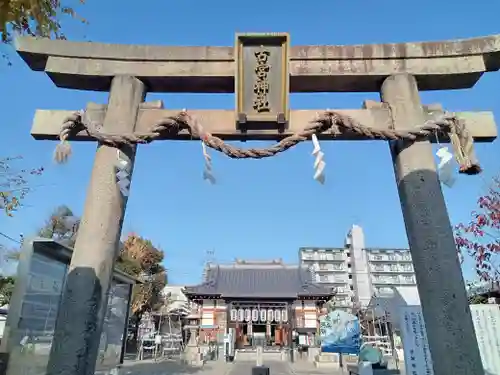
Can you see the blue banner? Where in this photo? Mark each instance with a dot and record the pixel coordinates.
(340, 333)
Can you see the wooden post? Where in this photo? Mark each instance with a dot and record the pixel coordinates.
(83, 305)
(452, 341)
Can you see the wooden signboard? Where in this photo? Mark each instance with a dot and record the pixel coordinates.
(262, 81)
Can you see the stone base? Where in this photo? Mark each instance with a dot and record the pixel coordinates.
(334, 365)
(312, 353)
(194, 362)
(332, 360)
(193, 356)
(327, 358)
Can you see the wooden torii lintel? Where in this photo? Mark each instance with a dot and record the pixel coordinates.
(221, 123)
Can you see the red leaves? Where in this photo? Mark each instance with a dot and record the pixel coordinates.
(14, 183)
(480, 238)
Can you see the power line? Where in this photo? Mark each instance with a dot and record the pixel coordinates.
(10, 238)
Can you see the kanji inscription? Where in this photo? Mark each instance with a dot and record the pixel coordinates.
(261, 85)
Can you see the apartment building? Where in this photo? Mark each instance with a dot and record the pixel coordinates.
(356, 272)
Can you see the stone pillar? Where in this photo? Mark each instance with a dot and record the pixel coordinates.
(192, 354)
(193, 337)
(447, 316)
(83, 305)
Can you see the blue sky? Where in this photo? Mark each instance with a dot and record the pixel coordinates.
(259, 208)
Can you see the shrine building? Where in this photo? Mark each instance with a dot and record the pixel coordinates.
(267, 303)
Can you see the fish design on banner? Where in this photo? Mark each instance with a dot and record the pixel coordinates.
(340, 333)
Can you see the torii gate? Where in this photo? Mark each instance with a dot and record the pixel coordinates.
(262, 70)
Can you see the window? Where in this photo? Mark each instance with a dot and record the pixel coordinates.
(393, 279)
(394, 267)
(338, 267)
(392, 257)
(307, 255)
(407, 267)
(339, 279)
(322, 256)
(406, 256)
(408, 279)
(323, 278)
(377, 257)
(323, 267)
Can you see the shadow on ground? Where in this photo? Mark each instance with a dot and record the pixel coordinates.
(162, 367)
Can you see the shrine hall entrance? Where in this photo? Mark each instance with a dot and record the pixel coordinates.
(261, 324)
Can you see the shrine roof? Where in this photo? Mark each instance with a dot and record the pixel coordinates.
(254, 279)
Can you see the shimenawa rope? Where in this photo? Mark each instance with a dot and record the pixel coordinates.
(330, 122)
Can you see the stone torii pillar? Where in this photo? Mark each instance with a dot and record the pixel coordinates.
(84, 301)
(448, 321)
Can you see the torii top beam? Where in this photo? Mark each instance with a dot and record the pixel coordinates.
(357, 68)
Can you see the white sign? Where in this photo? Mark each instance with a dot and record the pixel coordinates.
(418, 359)
(486, 319)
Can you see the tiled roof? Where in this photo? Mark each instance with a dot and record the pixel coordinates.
(258, 280)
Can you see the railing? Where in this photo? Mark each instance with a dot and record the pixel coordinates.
(381, 342)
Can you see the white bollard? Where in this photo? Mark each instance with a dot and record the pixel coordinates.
(259, 356)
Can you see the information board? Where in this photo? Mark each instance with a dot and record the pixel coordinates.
(417, 355)
(486, 319)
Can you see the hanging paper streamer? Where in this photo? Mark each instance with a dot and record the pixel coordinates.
(319, 164)
(122, 168)
(207, 172)
(446, 169)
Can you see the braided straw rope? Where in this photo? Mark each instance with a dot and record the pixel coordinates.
(330, 122)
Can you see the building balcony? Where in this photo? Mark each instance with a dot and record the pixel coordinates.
(331, 270)
(341, 290)
(385, 259)
(398, 281)
(331, 281)
(391, 270)
(323, 260)
(389, 255)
